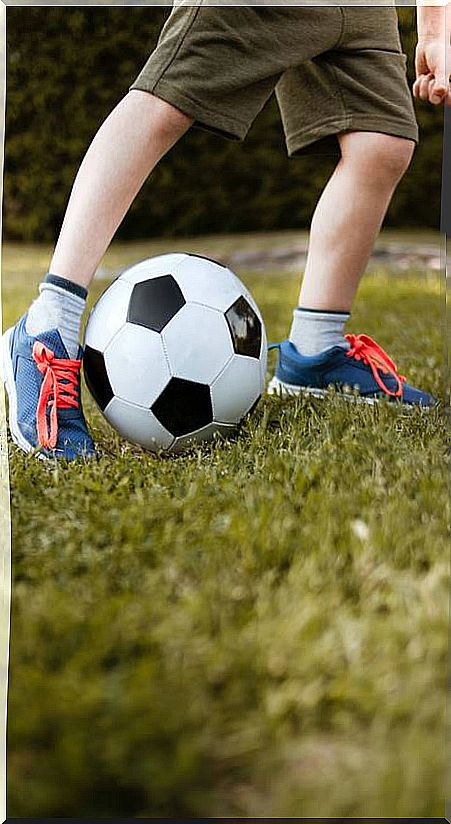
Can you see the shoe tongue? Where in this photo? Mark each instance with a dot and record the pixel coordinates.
(53, 340)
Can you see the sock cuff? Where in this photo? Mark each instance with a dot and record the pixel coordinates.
(66, 284)
(326, 313)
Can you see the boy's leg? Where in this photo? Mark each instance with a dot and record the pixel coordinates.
(346, 222)
(41, 354)
(349, 215)
(129, 144)
(344, 227)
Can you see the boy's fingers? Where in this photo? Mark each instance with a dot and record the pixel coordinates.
(429, 89)
(421, 86)
(416, 87)
(436, 93)
(424, 85)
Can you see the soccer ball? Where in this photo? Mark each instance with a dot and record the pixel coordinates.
(175, 350)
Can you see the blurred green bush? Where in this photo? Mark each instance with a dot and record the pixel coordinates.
(68, 68)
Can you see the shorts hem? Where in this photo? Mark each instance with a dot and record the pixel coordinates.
(204, 117)
(301, 140)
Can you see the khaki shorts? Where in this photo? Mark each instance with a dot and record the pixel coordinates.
(333, 69)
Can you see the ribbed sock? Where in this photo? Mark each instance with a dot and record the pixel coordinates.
(313, 331)
(60, 306)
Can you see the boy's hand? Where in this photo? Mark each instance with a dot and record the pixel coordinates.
(433, 54)
(431, 62)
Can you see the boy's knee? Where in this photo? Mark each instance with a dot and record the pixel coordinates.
(384, 158)
(394, 155)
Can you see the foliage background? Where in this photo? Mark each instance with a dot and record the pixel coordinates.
(68, 69)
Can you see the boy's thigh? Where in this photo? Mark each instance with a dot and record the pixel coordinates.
(360, 86)
(219, 65)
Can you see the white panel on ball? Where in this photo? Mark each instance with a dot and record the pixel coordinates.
(138, 425)
(153, 268)
(136, 365)
(108, 315)
(236, 389)
(198, 343)
(208, 283)
(205, 434)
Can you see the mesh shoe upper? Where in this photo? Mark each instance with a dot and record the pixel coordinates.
(362, 368)
(72, 438)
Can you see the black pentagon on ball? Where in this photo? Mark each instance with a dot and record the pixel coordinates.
(183, 406)
(245, 328)
(96, 377)
(154, 302)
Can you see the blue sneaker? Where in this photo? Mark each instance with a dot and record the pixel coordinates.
(43, 385)
(363, 372)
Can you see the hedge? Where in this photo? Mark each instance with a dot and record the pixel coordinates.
(67, 68)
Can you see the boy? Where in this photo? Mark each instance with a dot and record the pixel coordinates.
(339, 76)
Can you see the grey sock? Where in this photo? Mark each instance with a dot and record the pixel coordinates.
(313, 331)
(60, 305)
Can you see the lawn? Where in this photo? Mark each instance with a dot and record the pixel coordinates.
(257, 628)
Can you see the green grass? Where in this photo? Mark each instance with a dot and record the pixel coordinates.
(258, 628)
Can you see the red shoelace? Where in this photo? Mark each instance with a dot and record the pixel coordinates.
(59, 390)
(365, 349)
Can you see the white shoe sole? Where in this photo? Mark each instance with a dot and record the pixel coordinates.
(289, 390)
(10, 384)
